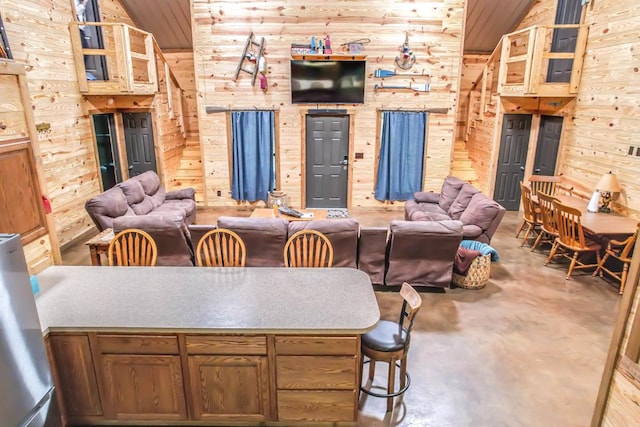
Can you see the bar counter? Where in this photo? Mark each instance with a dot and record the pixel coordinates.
(225, 346)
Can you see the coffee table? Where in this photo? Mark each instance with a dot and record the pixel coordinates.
(99, 244)
(268, 213)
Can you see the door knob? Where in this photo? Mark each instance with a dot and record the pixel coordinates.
(537, 170)
(522, 168)
(130, 167)
(345, 161)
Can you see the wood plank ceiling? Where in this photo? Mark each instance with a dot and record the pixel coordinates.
(488, 20)
(170, 21)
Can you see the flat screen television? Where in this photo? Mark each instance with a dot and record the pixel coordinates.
(327, 82)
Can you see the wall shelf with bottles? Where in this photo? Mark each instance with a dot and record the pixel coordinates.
(333, 57)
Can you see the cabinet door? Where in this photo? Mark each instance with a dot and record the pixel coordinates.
(74, 376)
(143, 387)
(228, 387)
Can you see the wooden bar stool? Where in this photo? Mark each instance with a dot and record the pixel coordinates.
(389, 342)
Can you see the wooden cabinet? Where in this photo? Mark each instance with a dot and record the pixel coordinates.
(229, 377)
(141, 377)
(123, 379)
(317, 378)
(72, 366)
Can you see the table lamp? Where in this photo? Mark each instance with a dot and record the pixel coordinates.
(607, 185)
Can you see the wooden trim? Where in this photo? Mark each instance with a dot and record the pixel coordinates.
(37, 172)
(303, 162)
(229, 150)
(273, 387)
(78, 58)
(186, 377)
(276, 148)
(578, 60)
(122, 145)
(337, 57)
(617, 338)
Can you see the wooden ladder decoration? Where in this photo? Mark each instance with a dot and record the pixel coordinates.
(249, 46)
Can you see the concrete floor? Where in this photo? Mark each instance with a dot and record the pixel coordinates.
(526, 350)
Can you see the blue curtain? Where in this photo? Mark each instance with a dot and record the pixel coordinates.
(253, 174)
(401, 161)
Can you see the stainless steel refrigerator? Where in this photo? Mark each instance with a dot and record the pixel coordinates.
(26, 387)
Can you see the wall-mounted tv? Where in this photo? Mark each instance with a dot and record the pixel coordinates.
(327, 82)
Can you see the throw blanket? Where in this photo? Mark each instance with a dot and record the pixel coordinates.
(483, 248)
(464, 258)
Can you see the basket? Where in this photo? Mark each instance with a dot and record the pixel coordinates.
(477, 275)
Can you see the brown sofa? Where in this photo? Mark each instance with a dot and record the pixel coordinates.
(140, 195)
(458, 200)
(422, 252)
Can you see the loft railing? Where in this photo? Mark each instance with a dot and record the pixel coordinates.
(121, 59)
(519, 67)
(526, 57)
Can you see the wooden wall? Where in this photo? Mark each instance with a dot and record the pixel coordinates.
(602, 124)
(435, 31)
(472, 66)
(38, 34)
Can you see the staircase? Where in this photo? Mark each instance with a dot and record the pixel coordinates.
(462, 166)
(189, 173)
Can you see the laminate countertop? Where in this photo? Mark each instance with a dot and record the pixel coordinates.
(206, 300)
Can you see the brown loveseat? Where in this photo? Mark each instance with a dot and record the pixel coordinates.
(458, 200)
(140, 195)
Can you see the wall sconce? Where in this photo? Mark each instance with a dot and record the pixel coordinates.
(607, 185)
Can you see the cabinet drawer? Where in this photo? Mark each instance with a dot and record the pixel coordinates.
(301, 345)
(226, 344)
(138, 344)
(316, 372)
(317, 406)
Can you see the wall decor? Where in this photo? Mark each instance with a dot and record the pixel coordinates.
(407, 58)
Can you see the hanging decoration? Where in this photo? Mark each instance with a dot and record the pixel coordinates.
(407, 58)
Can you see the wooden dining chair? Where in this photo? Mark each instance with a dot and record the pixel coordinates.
(221, 247)
(132, 247)
(308, 248)
(548, 228)
(389, 342)
(571, 238)
(544, 183)
(621, 251)
(531, 221)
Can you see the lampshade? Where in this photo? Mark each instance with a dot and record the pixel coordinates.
(609, 183)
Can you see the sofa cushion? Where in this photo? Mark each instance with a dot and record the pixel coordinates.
(428, 216)
(144, 207)
(342, 233)
(264, 238)
(481, 211)
(462, 201)
(157, 199)
(149, 180)
(106, 206)
(450, 189)
(133, 191)
(426, 197)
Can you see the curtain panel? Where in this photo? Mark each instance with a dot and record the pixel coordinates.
(401, 163)
(253, 174)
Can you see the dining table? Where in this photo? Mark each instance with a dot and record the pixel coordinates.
(601, 223)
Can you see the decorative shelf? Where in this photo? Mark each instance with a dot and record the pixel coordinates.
(332, 57)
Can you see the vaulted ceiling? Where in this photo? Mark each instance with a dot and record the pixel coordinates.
(170, 21)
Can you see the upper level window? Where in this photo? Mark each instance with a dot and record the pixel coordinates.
(5, 50)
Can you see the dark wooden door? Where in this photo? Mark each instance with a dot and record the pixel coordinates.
(327, 146)
(564, 40)
(514, 143)
(107, 146)
(547, 147)
(138, 137)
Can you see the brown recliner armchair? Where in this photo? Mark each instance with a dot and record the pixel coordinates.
(168, 231)
(264, 238)
(422, 252)
(342, 233)
(372, 252)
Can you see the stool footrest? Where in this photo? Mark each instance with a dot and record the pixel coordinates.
(397, 393)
